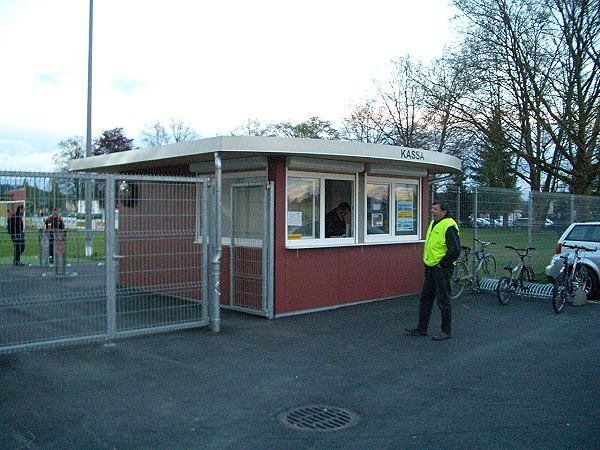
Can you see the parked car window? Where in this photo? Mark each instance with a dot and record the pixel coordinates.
(583, 232)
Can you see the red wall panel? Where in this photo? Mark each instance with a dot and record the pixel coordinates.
(321, 278)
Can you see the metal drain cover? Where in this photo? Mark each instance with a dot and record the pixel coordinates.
(319, 418)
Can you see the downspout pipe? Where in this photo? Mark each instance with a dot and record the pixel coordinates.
(215, 310)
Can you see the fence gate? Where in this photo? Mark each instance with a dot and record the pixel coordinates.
(251, 256)
(106, 272)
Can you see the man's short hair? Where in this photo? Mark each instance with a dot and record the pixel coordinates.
(344, 205)
(443, 206)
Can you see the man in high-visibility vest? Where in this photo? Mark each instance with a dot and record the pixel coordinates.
(442, 249)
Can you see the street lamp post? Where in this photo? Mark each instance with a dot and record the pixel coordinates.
(88, 140)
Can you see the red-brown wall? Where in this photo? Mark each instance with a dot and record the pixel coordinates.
(317, 278)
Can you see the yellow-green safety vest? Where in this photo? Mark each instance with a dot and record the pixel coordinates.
(435, 242)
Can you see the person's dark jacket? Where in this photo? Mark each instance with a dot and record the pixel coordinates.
(15, 226)
(54, 223)
(334, 225)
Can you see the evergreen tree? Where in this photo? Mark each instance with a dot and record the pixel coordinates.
(112, 141)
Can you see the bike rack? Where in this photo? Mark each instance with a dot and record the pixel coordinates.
(533, 289)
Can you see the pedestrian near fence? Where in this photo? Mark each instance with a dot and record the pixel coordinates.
(53, 224)
(17, 234)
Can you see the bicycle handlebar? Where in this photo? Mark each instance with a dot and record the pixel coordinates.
(522, 252)
(484, 243)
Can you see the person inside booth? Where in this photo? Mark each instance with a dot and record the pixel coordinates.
(335, 221)
(53, 224)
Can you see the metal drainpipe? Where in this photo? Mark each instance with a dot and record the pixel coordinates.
(215, 313)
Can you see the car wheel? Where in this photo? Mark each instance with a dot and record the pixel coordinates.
(591, 287)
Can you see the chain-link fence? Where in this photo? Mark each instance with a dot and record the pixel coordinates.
(520, 219)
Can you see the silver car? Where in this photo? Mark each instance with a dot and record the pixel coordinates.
(585, 234)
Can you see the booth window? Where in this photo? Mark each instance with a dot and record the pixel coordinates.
(310, 197)
(392, 209)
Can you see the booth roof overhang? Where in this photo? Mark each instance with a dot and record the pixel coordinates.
(237, 147)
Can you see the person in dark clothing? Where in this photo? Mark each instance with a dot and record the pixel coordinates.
(15, 229)
(53, 224)
(442, 249)
(335, 220)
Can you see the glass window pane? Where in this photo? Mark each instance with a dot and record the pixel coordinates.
(303, 208)
(338, 201)
(378, 199)
(406, 209)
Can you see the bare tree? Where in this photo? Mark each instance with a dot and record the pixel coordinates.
(157, 133)
(68, 149)
(182, 132)
(313, 128)
(365, 124)
(402, 100)
(535, 63)
(252, 128)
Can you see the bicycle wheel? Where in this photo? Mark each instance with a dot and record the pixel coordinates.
(487, 269)
(527, 274)
(504, 290)
(560, 292)
(525, 278)
(459, 280)
(581, 276)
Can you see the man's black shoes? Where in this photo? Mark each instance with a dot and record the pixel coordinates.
(415, 332)
(441, 336)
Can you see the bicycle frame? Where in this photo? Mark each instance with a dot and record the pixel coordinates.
(469, 266)
(569, 280)
(515, 281)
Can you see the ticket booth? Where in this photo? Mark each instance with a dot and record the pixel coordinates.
(276, 196)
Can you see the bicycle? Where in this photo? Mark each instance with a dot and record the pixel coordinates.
(572, 277)
(517, 278)
(462, 276)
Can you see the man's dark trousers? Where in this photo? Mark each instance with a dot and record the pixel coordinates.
(436, 286)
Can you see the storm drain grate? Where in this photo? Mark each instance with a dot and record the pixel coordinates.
(319, 418)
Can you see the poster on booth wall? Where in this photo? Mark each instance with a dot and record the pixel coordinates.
(294, 219)
(377, 220)
(404, 210)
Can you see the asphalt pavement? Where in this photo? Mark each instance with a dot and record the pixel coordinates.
(514, 376)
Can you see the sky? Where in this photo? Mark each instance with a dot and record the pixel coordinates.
(212, 64)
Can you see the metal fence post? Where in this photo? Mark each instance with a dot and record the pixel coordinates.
(530, 226)
(215, 314)
(110, 257)
(458, 203)
(475, 224)
(267, 250)
(475, 214)
(204, 227)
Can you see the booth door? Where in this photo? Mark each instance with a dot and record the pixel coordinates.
(251, 255)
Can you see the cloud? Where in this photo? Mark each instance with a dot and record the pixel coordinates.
(128, 85)
(50, 78)
(21, 156)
